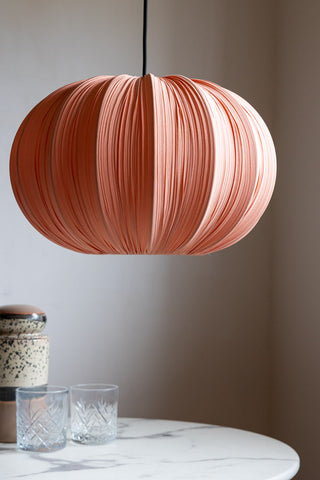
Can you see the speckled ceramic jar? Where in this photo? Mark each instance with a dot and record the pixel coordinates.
(24, 355)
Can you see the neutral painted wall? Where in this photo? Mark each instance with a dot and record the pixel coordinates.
(184, 338)
(296, 255)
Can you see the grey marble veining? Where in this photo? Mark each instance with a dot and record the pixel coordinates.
(159, 450)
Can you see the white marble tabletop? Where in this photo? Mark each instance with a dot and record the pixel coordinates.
(159, 450)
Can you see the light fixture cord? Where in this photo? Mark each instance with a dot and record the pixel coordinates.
(144, 40)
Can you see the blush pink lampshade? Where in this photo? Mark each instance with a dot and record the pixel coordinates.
(143, 165)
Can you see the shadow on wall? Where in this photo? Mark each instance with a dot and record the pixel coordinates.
(206, 354)
(217, 343)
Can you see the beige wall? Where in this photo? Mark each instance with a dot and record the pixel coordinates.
(232, 338)
(185, 338)
(296, 258)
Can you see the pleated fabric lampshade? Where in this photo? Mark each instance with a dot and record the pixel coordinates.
(143, 165)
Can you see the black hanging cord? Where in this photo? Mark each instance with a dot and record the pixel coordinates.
(144, 41)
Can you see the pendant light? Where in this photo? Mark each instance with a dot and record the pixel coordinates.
(143, 165)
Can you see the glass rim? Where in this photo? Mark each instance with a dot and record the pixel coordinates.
(91, 387)
(44, 389)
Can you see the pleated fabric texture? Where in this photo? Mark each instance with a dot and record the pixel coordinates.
(143, 165)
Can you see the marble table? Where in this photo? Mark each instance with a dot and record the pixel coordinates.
(159, 450)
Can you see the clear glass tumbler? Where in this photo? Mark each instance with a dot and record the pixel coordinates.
(94, 412)
(42, 418)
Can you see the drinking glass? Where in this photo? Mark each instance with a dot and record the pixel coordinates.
(42, 418)
(94, 412)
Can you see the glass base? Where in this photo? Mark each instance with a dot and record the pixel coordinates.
(42, 448)
(91, 439)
